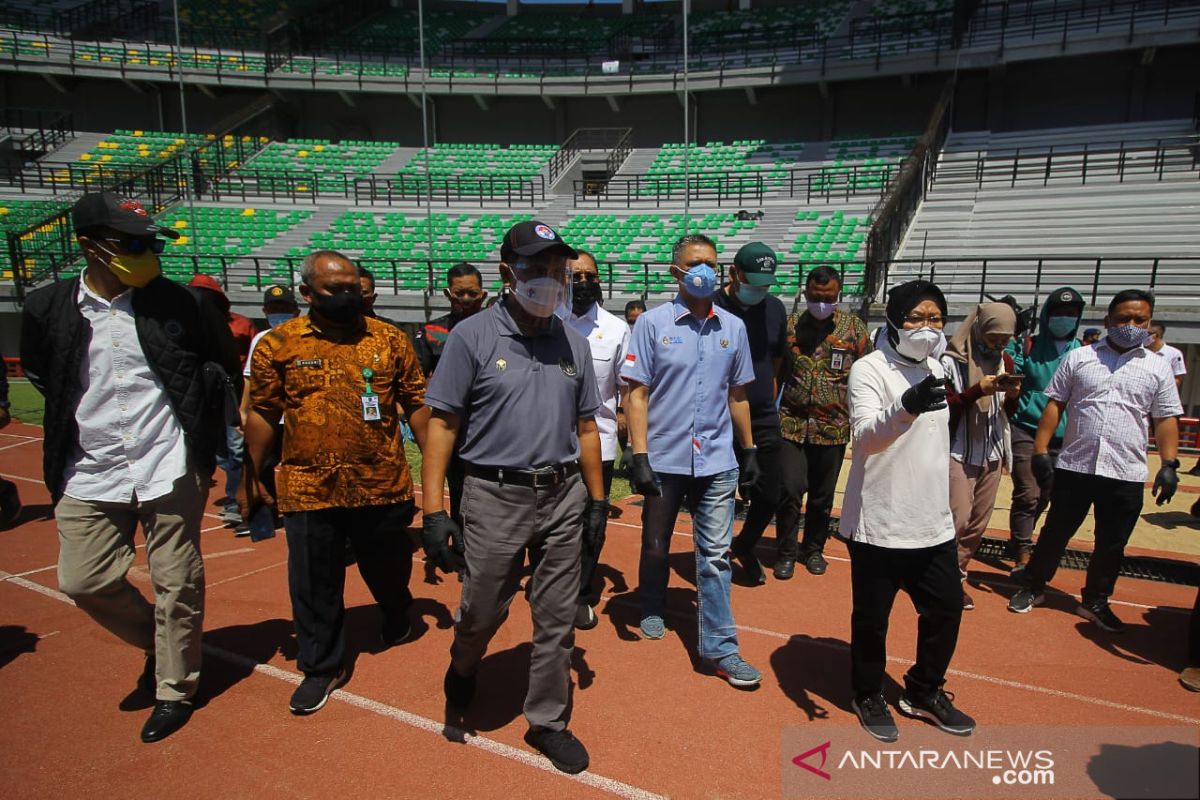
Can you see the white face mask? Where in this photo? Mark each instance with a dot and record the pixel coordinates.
(541, 297)
(921, 343)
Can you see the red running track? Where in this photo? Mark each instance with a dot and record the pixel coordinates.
(654, 725)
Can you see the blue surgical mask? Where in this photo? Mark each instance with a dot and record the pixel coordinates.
(700, 281)
(749, 295)
(275, 320)
(1128, 337)
(1062, 327)
(821, 311)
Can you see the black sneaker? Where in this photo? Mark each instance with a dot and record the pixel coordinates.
(815, 563)
(1025, 599)
(313, 692)
(565, 752)
(585, 617)
(938, 709)
(395, 632)
(459, 689)
(875, 718)
(750, 565)
(1102, 615)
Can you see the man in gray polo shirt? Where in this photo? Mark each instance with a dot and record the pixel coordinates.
(517, 390)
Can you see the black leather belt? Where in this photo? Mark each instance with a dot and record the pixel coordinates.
(541, 478)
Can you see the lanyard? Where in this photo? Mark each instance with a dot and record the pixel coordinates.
(368, 374)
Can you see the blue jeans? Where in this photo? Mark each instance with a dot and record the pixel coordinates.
(231, 463)
(710, 501)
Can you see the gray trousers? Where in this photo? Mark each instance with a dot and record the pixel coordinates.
(95, 552)
(499, 523)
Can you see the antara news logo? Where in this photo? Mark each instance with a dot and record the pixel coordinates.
(1006, 767)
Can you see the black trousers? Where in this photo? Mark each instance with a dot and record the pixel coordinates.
(590, 556)
(930, 577)
(317, 573)
(764, 497)
(1118, 505)
(810, 469)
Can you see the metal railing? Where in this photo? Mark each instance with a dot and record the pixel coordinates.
(1093, 161)
(46, 129)
(822, 183)
(1174, 280)
(1005, 22)
(299, 186)
(891, 217)
(615, 140)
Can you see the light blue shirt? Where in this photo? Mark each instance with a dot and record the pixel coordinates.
(689, 365)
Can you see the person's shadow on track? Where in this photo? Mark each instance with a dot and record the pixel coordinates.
(1161, 640)
(15, 640)
(819, 667)
(250, 645)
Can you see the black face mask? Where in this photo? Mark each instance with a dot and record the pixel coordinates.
(584, 295)
(341, 308)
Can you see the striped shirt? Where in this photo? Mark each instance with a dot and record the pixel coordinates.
(1109, 396)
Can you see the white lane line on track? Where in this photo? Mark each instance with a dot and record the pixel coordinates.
(18, 444)
(1097, 701)
(245, 574)
(523, 757)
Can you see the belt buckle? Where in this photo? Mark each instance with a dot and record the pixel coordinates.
(545, 477)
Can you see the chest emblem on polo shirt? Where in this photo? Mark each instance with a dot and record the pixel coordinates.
(173, 328)
(670, 340)
(724, 344)
(501, 364)
(568, 368)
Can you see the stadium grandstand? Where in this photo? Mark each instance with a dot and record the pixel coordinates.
(885, 139)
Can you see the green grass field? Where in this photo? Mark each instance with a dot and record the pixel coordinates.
(27, 406)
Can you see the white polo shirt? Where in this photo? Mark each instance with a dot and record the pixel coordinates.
(129, 439)
(608, 338)
(1174, 357)
(1108, 397)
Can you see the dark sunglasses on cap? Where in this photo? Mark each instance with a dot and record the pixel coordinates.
(135, 246)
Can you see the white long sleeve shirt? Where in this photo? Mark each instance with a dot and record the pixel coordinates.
(130, 442)
(608, 338)
(898, 492)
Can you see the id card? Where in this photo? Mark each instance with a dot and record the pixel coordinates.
(838, 359)
(370, 406)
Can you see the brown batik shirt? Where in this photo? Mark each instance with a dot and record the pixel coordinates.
(332, 456)
(814, 409)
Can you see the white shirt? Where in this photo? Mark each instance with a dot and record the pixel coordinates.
(129, 439)
(608, 338)
(1108, 396)
(1174, 357)
(250, 352)
(898, 490)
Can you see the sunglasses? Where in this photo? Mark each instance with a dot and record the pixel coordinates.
(135, 247)
(585, 277)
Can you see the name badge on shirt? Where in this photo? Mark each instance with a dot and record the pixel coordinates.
(370, 400)
(838, 359)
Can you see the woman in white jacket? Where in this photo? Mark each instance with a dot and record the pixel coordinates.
(896, 514)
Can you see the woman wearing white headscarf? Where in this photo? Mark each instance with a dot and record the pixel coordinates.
(981, 396)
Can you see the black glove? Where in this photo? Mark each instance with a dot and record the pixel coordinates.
(928, 395)
(442, 542)
(645, 482)
(748, 471)
(595, 523)
(1042, 466)
(1166, 482)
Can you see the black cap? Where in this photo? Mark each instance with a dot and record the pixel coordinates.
(105, 210)
(279, 294)
(530, 238)
(1065, 297)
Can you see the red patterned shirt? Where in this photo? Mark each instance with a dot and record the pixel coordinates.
(814, 409)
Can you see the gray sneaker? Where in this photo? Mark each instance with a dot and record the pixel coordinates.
(653, 627)
(734, 669)
(1025, 599)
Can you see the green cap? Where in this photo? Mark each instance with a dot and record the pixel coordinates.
(757, 263)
